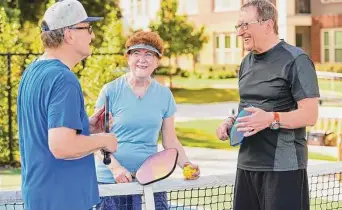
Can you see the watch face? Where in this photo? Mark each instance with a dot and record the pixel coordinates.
(275, 126)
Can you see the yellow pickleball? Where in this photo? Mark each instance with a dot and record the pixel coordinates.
(188, 171)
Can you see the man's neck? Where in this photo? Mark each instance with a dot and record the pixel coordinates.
(268, 44)
(65, 56)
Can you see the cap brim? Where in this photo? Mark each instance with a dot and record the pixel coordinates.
(92, 19)
(143, 46)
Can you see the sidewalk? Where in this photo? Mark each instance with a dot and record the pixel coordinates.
(204, 111)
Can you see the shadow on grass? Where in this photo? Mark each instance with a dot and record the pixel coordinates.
(204, 95)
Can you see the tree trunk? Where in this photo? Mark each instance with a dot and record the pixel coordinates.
(194, 61)
(170, 75)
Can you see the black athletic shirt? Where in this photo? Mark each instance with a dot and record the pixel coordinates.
(275, 81)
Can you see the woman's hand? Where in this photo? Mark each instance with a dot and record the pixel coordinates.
(191, 171)
(121, 175)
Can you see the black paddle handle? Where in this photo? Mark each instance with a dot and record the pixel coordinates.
(106, 155)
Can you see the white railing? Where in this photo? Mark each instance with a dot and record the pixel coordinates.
(328, 75)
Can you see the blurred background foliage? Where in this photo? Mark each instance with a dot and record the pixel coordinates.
(20, 44)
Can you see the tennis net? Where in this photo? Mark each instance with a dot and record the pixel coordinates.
(207, 192)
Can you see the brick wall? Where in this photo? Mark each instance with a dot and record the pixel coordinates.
(318, 23)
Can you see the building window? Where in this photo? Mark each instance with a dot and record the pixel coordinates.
(338, 46)
(299, 40)
(227, 48)
(326, 46)
(303, 7)
(226, 5)
(332, 45)
(188, 7)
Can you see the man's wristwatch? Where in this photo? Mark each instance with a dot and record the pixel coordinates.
(275, 125)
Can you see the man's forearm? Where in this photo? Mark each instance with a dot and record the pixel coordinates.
(76, 148)
(298, 118)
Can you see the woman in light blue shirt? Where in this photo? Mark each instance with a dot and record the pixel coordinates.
(141, 108)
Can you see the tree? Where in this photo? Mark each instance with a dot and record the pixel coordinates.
(180, 36)
(101, 69)
(32, 12)
(9, 69)
(20, 34)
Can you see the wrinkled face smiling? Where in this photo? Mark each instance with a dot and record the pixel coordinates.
(251, 29)
(142, 62)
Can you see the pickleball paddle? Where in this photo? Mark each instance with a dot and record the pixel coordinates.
(236, 137)
(106, 155)
(157, 167)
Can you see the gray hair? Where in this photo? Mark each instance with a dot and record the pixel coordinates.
(53, 38)
(266, 11)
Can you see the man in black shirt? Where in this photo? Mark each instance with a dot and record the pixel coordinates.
(279, 81)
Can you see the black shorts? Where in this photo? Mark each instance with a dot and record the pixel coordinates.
(271, 190)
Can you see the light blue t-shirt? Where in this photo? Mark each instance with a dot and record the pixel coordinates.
(50, 96)
(137, 123)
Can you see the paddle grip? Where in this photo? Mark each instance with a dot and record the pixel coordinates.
(106, 155)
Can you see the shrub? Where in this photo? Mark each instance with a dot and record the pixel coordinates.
(330, 67)
(216, 71)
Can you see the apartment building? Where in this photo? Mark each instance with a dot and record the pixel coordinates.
(314, 25)
(326, 31)
(137, 14)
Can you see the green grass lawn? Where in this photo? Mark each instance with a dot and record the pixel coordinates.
(202, 83)
(204, 95)
(201, 133)
(324, 84)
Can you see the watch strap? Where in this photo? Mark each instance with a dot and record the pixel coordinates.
(276, 117)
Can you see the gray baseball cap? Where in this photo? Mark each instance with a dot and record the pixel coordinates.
(66, 13)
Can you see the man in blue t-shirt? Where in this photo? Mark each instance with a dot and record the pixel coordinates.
(56, 149)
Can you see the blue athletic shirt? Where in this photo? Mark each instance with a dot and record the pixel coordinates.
(50, 96)
(137, 123)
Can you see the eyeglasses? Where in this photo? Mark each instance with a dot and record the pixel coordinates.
(244, 26)
(90, 28)
(148, 55)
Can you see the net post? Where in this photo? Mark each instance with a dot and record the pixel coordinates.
(149, 198)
